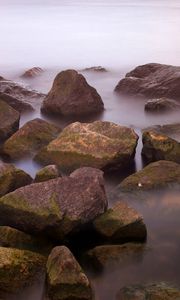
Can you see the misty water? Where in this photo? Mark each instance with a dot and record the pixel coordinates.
(119, 35)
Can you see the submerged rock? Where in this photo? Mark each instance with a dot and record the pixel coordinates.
(65, 277)
(32, 73)
(120, 223)
(158, 174)
(161, 104)
(72, 95)
(47, 173)
(95, 69)
(56, 207)
(154, 291)
(19, 268)
(152, 80)
(12, 178)
(30, 138)
(98, 144)
(9, 121)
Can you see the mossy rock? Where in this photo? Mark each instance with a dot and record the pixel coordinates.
(99, 144)
(47, 173)
(156, 175)
(9, 120)
(65, 277)
(171, 130)
(30, 138)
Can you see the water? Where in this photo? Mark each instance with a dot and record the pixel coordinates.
(118, 35)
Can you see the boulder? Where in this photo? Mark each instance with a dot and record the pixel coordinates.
(19, 268)
(47, 173)
(32, 73)
(18, 105)
(30, 138)
(65, 277)
(171, 130)
(161, 105)
(156, 175)
(72, 95)
(12, 178)
(56, 207)
(99, 144)
(120, 223)
(154, 291)
(158, 146)
(152, 80)
(9, 121)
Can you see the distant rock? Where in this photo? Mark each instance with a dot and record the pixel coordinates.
(65, 277)
(99, 144)
(32, 73)
(161, 105)
(72, 95)
(152, 80)
(9, 121)
(47, 173)
(95, 69)
(30, 138)
(171, 130)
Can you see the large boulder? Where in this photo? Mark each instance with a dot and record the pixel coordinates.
(72, 95)
(9, 121)
(12, 178)
(120, 223)
(161, 105)
(65, 277)
(171, 130)
(99, 144)
(156, 175)
(19, 268)
(56, 207)
(30, 138)
(152, 80)
(154, 291)
(157, 146)
(47, 173)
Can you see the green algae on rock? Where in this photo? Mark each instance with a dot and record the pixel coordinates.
(47, 173)
(65, 277)
(99, 144)
(9, 120)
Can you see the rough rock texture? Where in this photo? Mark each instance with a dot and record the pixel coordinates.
(98, 144)
(171, 130)
(30, 138)
(18, 105)
(158, 146)
(56, 207)
(47, 173)
(19, 268)
(32, 73)
(119, 223)
(72, 95)
(155, 175)
(155, 291)
(152, 80)
(65, 278)
(12, 178)
(9, 121)
(161, 105)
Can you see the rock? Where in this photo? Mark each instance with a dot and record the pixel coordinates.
(157, 174)
(120, 223)
(9, 121)
(65, 277)
(152, 80)
(72, 95)
(19, 268)
(158, 146)
(95, 69)
(161, 104)
(171, 130)
(18, 105)
(154, 291)
(12, 178)
(32, 73)
(30, 138)
(56, 207)
(47, 173)
(99, 144)
(102, 256)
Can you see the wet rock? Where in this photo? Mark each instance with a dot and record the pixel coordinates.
(99, 144)
(18, 105)
(32, 73)
(47, 173)
(152, 80)
(56, 207)
(120, 223)
(9, 121)
(72, 95)
(154, 291)
(19, 268)
(12, 178)
(158, 174)
(30, 138)
(95, 69)
(161, 105)
(65, 277)
(158, 146)
(171, 130)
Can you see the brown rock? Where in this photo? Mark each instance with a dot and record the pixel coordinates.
(9, 121)
(32, 73)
